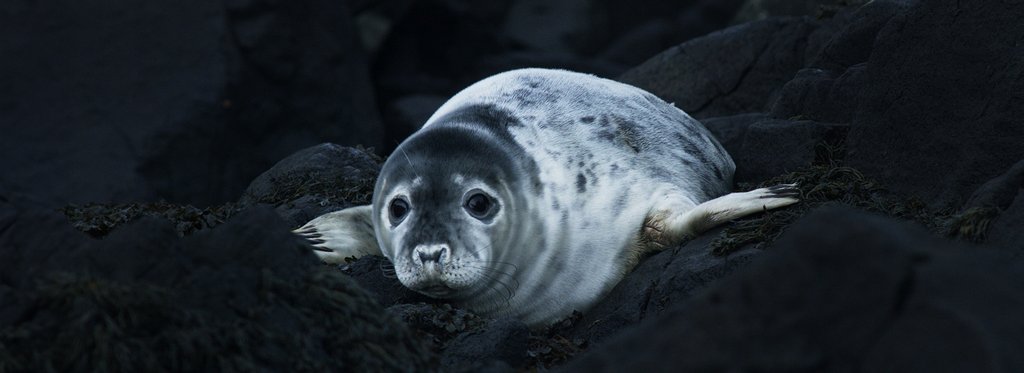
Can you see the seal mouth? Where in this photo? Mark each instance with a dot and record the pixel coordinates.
(436, 290)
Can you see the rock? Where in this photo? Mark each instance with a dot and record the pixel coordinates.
(503, 340)
(315, 181)
(149, 99)
(1002, 207)
(774, 147)
(376, 275)
(730, 130)
(297, 77)
(246, 295)
(753, 10)
(937, 117)
(733, 71)
(93, 84)
(1005, 231)
(821, 95)
(1000, 191)
(854, 34)
(829, 88)
(841, 290)
(407, 114)
(658, 283)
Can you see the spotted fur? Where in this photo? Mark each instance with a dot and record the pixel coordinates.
(588, 174)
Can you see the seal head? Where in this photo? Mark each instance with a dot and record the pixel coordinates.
(445, 200)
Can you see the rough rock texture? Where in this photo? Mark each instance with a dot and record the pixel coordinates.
(189, 102)
(774, 147)
(1006, 230)
(821, 95)
(940, 112)
(733, 71)
(999, 208)
(504, 340)
(731, 130)
(658, 283)
(314, 181)
(119, 101)
(841, 291)
(753, 10)
(244, 296)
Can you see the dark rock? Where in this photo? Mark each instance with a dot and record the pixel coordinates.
(730, 130)
(296, 77)
(853, 39)
(315, 181)
(1000, 191)
(504, 340)
(773, 147)
(734, 71)
(939, 113)
(1006, 230)
(840, 291)
(376, 275)
(619, 31)
(753, 10)
(187, 102)
(820, 95)
(246, 295)
(828, 90)
(658, 283)
(407, 114)
(93, 84)
(1001, 196)
(436, 45)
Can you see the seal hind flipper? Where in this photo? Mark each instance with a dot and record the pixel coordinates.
(341, 234)
(672, 225)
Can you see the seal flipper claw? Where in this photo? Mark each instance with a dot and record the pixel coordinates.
(341, 234)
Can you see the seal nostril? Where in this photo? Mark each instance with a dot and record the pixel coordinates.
(428, 254)
(434, 256)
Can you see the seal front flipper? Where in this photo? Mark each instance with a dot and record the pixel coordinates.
(342, 234)
(671, 225)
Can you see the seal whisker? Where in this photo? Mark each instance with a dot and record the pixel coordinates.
(496, 276)
(411, 166)
(494, 281)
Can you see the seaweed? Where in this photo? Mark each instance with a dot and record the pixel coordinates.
(98, 219)
(827, 180)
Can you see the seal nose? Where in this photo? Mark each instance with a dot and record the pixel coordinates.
(431, 254)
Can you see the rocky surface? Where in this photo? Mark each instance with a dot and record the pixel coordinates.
(245, 295)
(156, 156)
(841, 291)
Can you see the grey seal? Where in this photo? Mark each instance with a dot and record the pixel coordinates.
(531, 193)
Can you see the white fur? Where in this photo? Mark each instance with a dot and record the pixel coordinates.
(613, 160)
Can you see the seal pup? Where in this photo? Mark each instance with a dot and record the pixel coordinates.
(533, 192)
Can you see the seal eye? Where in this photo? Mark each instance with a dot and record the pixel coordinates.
(398, 209)
(479, 205)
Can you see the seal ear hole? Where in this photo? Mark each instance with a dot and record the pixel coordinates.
(480, 206)
(398, 209)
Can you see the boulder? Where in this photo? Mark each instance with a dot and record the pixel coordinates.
(774, 147)
(841, 290)
(731, 130)
(733, 71)
(246, 295)
(658, 283)
(939, 114)
(315, 181)
(187, 102)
